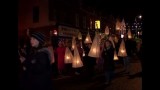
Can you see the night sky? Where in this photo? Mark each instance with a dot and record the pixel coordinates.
(127, 10)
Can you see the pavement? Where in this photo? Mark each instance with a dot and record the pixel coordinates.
(122, 80)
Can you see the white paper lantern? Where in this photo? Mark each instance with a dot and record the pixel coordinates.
(88, 39)
(76, 63)
(115, 56)
(107, 30)
(129, 34)
(122, 50)
(118, 25)
(79, 36)
(123, 25)
(73, 43)
(95, 48)
(68, 56)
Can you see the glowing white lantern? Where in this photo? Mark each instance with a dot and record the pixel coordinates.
(123, 25)
(122, 36)
(79, 36)
(73, 43)
(122, 50)
(68, 56)
(129, 34)
(115, 56)
(76, 63)
(95, 48)
(88, 39)
(118, 25)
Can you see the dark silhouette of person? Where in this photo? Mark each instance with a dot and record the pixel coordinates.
(37, 65)
(108, 55)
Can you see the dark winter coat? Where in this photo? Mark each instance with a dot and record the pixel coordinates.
(38, 70)
(108, 55)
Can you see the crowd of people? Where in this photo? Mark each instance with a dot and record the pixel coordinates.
(39, 62)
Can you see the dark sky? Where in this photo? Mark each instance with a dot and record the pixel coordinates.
(127, 10)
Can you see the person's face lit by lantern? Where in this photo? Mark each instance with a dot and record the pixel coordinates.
(107, 44)
(34, 42)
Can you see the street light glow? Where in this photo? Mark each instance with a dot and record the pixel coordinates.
(140, 16)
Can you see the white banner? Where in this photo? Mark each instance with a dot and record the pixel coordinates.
(67, 31)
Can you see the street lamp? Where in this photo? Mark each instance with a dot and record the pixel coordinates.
(140, 16)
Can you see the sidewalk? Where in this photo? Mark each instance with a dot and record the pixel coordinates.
(120, 82)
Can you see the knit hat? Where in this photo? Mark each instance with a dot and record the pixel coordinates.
(39, 36)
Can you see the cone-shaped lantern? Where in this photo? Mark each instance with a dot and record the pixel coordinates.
(107, 30)
(95, 48)
(79, 36)
(81, 44)
(118, 25)
(129, 34)
(88, 39)
(73, 43)
(115, 56)
(68, 56)
(76, 63)
(123, 25)
(122, 50)
(110, 38)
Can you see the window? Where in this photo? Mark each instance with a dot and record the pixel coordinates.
(35, 14)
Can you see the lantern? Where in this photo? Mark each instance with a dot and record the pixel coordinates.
(95, 48)
(84, 53)
(107, 30)
(122, 49)
(79, 36)
(110, 38)
(68, 56)
(55, 32)
(88, 39)
(118, 25)
(115, 56)
(81, 44)
(76, 63)
(129, 34)
(73, 43)
(123, 25)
